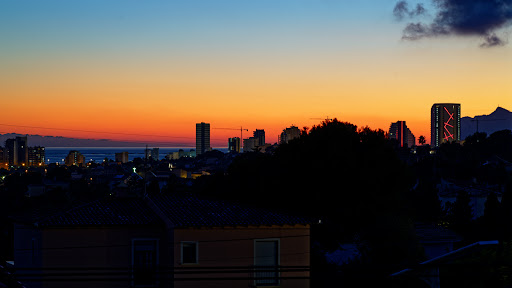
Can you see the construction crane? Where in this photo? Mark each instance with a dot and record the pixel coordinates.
(241, 130)
(326, 118)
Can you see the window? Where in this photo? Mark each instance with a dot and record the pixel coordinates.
(144, 262)
(189, 253)
(34, 250)
(266, 262)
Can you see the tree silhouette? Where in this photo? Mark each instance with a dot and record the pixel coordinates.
(422, 140)
(462, 214)
(349, 178)
(492, 219)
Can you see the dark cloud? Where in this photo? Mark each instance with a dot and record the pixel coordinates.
(492, 40)
(402, 10)
(459, 17)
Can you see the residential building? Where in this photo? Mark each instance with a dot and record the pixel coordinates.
(36, 156)
(181, 153)
(16, 151)
(122, 157)
(289, 134)
(2, 159)
(402, 134)
(234, 144)
(444, 123)
(259, 134)
(155, 154)
(202, 138)
(74, 158)
(251, 144)
(169, 240)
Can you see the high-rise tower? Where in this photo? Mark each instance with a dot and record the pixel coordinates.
(402, 134)
(260, 135)
(234, 144)
(444, 123)
(16, 151)
(202, 138)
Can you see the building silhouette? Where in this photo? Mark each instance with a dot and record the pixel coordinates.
(250, 144)
(259, 134)
(122, 157)
(153, 153)
(16, 151)
(74, 158)
(202, 138)
(255, 142)
(444, 123)
(234, 144)
(36, 156)
(288, 134)
(401, 133)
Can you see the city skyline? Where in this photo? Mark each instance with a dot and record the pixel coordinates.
(158, 68)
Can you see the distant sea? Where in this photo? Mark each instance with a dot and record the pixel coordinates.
(98, 154)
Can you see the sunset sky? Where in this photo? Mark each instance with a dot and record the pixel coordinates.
(156, 68)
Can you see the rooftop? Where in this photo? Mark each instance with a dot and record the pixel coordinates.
(181, 209)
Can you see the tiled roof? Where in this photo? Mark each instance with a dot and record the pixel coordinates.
(128, 211)
(185, 210)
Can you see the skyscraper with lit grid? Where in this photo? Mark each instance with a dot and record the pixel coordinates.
(444, 123)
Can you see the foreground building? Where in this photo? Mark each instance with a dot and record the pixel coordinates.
(173, 240)
(444, 123)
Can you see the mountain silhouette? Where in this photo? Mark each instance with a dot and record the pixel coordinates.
(500, 119)
(59, 141)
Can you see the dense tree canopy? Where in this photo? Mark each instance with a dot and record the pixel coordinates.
(350, 178)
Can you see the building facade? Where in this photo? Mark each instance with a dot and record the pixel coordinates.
(202, 138)
(250, 144)
(16, 151)
(259, 134)
(74, 158)
(289, 134)
(167, 240)
(234, 144)
(122, 157)
(402, 134)
(36, 156)
(444, 123)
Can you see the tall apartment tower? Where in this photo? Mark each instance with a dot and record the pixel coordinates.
(288, 134)
(11, 152)
(234, 144)
(260, 135)
(444, 123)
(36, 156)
(16, 151)
(402, 134)
(202, 138)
